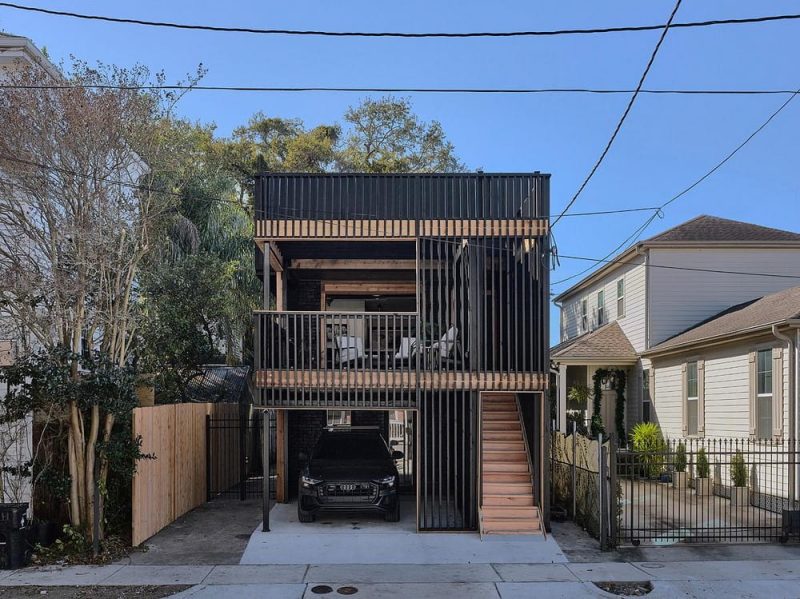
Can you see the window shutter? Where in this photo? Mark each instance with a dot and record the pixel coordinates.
(701, 396)
(684, 400)
(777, 392)
(753, 393)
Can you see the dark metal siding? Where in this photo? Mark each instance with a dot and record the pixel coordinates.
(400, 196)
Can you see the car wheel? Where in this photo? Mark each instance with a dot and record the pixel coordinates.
(304, 516)
(394, 515)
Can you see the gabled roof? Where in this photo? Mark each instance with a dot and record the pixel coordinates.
(15, 47)
(706, 228)
(219, 383)
(701, 230)
(608, 345)
(744, 318)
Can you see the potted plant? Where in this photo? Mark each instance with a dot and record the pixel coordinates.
(740, 496)
(702, 483)
(679, 478)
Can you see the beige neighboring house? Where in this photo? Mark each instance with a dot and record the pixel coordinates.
(15, 438)
(693, 336)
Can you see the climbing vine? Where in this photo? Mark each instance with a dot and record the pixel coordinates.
(617, 380)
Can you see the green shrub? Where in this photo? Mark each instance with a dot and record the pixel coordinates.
(738, 470)
(647, 440)
(680, 457)
(702, 463)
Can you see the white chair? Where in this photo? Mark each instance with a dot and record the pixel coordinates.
(407, 347)
(350, 348)
(443, 348)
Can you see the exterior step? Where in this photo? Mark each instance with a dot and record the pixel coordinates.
(503, 446)
(504, 456)
(502, 426)
(507, 500)
(507, 477)
(502, 435)
(504, 416)
(510, 513)
(507, 488)
(502, 406)
(510, 527)
(506, 466)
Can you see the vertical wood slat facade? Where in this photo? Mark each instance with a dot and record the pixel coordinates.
(481, 322)
(174, 483)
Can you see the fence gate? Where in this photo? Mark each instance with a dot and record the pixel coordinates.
(234, 450)
(708, 491)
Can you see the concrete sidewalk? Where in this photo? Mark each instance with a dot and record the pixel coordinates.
(773, 578)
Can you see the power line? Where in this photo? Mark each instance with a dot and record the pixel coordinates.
(693, 269)
(658, 211)
(418, 90)
(623, 117)
(399, 34)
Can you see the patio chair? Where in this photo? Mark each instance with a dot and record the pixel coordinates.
(350, 348)
(408, 346)
(444, 350)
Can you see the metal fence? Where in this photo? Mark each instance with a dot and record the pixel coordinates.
(235, 467)
(694, 490)
(709, 491)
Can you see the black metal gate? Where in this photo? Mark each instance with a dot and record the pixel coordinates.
(702, 490)
(234, 450)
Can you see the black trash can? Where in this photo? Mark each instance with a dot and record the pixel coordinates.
(13, 534)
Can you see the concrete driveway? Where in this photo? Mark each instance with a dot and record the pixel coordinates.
(366, 539)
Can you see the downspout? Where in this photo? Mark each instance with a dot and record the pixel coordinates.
(792, 351)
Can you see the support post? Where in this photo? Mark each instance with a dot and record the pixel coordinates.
(265, 448)
(281, 486)
(208, 457)
(243, 418)
(574, 471)
(601, 473)
(613, 499)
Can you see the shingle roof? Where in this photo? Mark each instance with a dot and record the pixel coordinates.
(219, 383)
(759, 313)
(609, 341)
(714, 228)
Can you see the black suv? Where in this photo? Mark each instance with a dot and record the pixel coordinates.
(349, 469)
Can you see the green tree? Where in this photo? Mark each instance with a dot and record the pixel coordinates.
(386, 136)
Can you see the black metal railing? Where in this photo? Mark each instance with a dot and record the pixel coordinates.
(463, 196)
(701, 490)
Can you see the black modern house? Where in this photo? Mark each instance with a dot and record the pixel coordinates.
(417, 303)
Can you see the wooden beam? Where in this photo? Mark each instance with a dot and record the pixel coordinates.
(275, 258)
(343, 264)
(369, 288)
(388, 229)
(280, 304)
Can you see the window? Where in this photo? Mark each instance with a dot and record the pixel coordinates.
(691, 398)
(338, 417)
(601, 307)
(764, 394)
(584, 316)
(620, 298)
(646, 399)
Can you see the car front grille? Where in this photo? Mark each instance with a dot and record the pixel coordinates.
(348, 492)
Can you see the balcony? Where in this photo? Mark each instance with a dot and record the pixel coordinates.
(383, 358)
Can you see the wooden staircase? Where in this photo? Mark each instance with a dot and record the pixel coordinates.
(507, 504)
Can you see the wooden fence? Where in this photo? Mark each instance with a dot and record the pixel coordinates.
(174, 482)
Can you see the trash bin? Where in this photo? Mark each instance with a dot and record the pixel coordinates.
(13, 532)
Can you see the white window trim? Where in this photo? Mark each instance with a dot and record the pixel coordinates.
(621, 298)
(777, 390)
(699, 399)
(601, 307)
(584, 315)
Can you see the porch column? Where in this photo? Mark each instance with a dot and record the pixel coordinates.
(562, 398)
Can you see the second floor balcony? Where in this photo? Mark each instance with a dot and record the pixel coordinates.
(367, 351)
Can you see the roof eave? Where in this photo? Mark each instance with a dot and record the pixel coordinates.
(740, 335)
(597, 361)
(619, 261)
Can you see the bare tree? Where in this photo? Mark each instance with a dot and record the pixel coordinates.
(77, 213)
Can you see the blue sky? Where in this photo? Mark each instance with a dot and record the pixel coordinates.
(666, 143)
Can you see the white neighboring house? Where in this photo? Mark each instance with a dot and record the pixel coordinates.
(694, 343)
(15, 438)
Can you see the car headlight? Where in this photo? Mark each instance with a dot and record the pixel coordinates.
(308, 481)
(388, 481)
